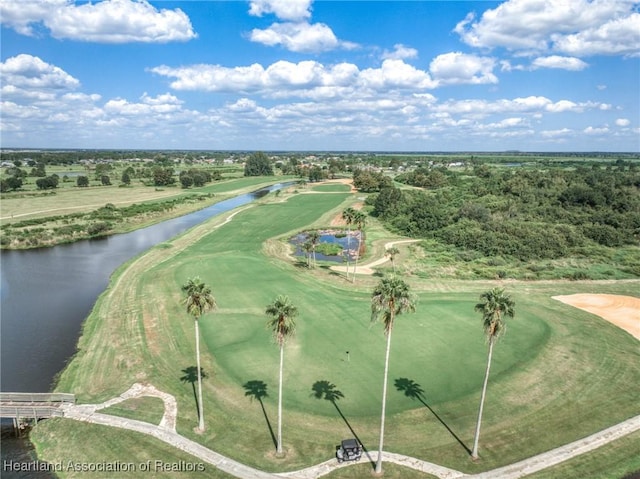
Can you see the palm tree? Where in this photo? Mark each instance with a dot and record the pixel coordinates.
(390, 298)
(392, 253)
(307, 247)
(282, 323)
(494, 305)
(360, 220)
(348, 215)
(313, 237)
(199, 300)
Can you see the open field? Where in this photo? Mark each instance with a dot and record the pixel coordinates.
(559, 373)
(18, 206)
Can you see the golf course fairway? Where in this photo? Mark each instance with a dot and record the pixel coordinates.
(557, 375)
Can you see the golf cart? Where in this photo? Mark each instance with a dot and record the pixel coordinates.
(349, 450)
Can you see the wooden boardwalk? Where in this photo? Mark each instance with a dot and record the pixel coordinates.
(33, 405)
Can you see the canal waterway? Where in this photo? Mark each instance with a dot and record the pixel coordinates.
(47, 293)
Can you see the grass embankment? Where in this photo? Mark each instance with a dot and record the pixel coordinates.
(45, 219)
(558, 375)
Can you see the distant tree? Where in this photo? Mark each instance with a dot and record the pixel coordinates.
(348, 216)
(163, 176)
(126, 179)
(82, 181)
(392, 253)
(258, 164)
(360, 220)
(47, 183)
(14, 182)
(186, 181)
(105, 180)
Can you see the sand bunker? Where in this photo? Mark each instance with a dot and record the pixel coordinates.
(623, 311)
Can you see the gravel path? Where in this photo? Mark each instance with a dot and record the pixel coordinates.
(166, 432)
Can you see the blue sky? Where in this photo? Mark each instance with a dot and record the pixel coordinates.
(531, 75)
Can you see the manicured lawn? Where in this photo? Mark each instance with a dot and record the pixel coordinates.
(619, 459)
(558, 374)
(75, 445)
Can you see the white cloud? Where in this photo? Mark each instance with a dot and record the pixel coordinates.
(400, 52)
(619, 36)
(307, 78)
(560, 62)
(563, 132)
(299, 37)
(622, 122)
(574, 27)
(28, 72)
(295, 33)
(532, 104)
(457, 68)
(108, 21)
(292, 10)
(590, 130)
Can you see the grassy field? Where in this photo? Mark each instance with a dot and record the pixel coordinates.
(558, 375)
(80, 445)
(38, 204)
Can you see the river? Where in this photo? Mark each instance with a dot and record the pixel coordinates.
(47, 293)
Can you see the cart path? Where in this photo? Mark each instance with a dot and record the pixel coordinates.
(367, 268)
(166, 432)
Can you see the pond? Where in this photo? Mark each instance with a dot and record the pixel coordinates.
(348, 242)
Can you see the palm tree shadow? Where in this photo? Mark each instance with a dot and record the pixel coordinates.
(256, 389)
(190, 375)
(413, 390)
(326, 390)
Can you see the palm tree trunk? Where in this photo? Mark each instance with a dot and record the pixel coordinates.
(348, 249)
(474, 453)
(384, 404)
(355, 266)
(200, 405)
(279, 447)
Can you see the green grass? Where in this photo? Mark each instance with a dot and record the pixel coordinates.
(559, 374)
(148, 409)
(74, 445)
(339, 188)
(613, 461)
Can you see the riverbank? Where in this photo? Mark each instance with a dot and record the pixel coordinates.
(138, 332)
(53, 224)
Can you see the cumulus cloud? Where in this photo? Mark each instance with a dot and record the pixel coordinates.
(530, 104)
(295, 33)
(456, 68)
(108, 21)
(556, 61)
(400, 52)
(299, 37)
(29, 72)
(574, 27)
(292, 10)
(285, 78)
(622, 122)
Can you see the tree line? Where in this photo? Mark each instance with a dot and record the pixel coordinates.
(516, 213)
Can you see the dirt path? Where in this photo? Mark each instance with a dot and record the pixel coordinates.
(367, 268)
(165, 431)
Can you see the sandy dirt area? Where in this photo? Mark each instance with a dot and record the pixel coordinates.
(623, 311)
